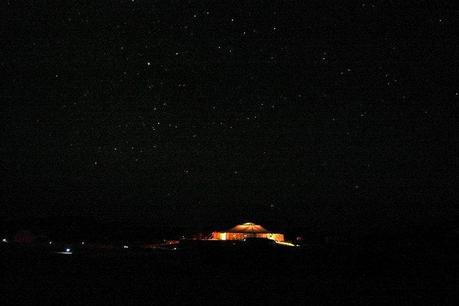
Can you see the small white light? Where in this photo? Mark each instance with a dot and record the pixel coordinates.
(4, 240)
(67, 250)
(82, 242)
(50, 242)
(125, 247)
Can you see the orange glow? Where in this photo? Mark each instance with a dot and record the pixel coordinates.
(247, 230)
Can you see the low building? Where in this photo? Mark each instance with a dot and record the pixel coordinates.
(247, 230)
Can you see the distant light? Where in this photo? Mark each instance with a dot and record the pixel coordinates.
(285, 243)
(67, 251)
(174, 249)
(125, 247)
(4, 240)
(50, 242)
(82, 242)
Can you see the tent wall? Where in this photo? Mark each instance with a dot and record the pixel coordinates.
(242, 236)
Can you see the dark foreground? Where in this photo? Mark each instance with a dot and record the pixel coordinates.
(352, 275)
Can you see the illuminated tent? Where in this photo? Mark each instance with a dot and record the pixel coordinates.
(247, 230)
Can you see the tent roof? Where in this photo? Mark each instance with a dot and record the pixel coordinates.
(248, 227)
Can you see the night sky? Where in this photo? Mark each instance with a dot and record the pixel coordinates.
(299, 113)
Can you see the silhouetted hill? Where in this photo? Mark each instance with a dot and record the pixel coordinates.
(78, 228)
(75, 228)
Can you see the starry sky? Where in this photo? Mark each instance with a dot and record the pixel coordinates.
(306, 113)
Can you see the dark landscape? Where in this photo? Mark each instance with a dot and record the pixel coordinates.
(421, 268)
(229, 152)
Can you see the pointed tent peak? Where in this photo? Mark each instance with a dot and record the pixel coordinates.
(248, 227)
